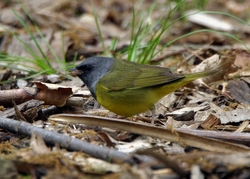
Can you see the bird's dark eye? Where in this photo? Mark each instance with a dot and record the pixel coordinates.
(88, 67)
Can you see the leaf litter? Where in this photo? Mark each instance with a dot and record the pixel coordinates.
(202, 129)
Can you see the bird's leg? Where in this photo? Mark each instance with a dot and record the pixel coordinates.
(153, 115)
(96, 105)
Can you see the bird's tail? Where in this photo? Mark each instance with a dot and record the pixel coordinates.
(213, 75)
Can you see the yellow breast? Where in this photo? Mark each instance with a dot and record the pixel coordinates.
(127, 102)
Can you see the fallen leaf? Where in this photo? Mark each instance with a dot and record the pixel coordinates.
(208, 20)
(52, 94)
(38, 145)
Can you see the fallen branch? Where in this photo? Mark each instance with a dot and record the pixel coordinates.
(42, 92)
(239, 138)
(149, 130)
(67, 142)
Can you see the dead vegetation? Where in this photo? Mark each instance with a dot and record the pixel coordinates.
(51, 127)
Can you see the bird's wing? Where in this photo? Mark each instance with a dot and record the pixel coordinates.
(138, 76)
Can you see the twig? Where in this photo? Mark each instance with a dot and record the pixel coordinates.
(166, 160)
(67, 142)
(240, 138)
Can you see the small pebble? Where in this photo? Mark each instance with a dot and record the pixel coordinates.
(21, 83)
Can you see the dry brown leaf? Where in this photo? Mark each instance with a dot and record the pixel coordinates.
(106, 138)
(186, 109)
(243, 60)
(202, 115)
(46, 12)
(133, 146)
(49, 93)
(18, 114)
(38, 145)
(9, 113)
(96, 166)
(236, 115)
(5, 74)
(16, 47)
(223, 64)
(7, 16)
(52, 94)
(239, 90)
(236, 7)
(60, 43)
(210, 122)
(199, 96)
(204, 38)
(209, 21)
(196, 172)
(232, 161)
(243, 126)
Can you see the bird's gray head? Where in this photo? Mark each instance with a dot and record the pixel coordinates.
(92, 70)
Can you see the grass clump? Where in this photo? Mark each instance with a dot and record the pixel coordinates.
(147, 33)
(37, 62)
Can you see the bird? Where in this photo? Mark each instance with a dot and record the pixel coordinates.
(129, 88)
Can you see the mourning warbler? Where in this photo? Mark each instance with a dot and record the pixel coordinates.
(127, 88)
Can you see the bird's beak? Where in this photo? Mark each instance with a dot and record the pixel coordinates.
(75, 72)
